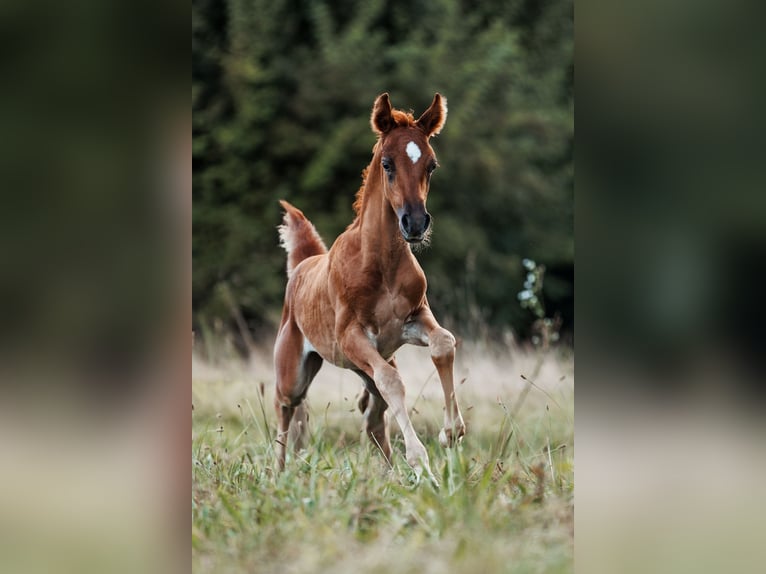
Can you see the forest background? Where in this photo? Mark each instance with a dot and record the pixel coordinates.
(281, 97)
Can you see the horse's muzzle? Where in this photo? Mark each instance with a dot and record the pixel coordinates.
(414, 225)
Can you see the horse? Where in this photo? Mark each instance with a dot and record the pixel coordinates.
(359, 302)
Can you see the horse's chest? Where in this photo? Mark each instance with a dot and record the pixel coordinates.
(393, 309)
(386, 327)
(386, 340)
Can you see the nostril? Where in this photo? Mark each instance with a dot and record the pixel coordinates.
(406, 222)
(426, 222)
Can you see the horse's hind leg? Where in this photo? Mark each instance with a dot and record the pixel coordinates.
(374, 408)
(376, 425)
(284, 416)
(296, 365)
(299, 426)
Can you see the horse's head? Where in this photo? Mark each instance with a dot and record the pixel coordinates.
(405, 161)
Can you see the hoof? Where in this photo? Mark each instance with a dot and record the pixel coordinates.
(418, 461)
(424, 473)
(448, 438)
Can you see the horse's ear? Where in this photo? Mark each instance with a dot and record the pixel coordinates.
(432, 120)
(382, 119)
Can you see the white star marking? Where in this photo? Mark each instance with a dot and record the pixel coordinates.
(413, 151)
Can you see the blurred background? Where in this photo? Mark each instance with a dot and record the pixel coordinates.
(94, 272)
(281, 98)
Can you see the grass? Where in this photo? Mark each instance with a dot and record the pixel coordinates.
(505, 503)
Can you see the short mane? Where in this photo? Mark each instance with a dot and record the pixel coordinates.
(360, 193)
(403, 119)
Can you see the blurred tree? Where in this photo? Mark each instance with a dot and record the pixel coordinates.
(281, 94)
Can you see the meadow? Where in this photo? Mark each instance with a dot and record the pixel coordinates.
(505, 501)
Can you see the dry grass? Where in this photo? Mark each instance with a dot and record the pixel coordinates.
(505, 504)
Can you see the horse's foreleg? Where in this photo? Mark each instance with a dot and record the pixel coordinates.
(442, 346)
(357, 348)
(441, 343)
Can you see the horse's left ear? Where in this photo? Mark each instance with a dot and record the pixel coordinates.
(382, 119)
(432, 120)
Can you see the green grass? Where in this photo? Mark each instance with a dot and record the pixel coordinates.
(505, 503)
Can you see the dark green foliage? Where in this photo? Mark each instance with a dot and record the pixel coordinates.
(281, 97)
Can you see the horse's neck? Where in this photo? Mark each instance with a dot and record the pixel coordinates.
(381, 240)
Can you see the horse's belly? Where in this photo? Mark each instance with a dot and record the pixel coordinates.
(312, 308)
(386, 347)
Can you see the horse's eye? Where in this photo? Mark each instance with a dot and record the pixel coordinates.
(431, 167)
(387, 165)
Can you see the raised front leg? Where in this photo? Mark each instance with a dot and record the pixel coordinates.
(425, 330)
(357, 348)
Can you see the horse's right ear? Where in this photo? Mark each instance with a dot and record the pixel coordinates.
(382, 119)
(432, 120)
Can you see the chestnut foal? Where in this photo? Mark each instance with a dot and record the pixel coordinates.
(357, 303)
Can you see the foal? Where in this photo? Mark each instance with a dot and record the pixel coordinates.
(357, 303)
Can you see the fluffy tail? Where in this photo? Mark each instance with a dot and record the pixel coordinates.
(298, 236)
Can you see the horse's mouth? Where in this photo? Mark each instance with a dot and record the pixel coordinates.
(418, 240)
(414, 239)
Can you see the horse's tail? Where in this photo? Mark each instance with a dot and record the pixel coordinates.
(298, 236)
